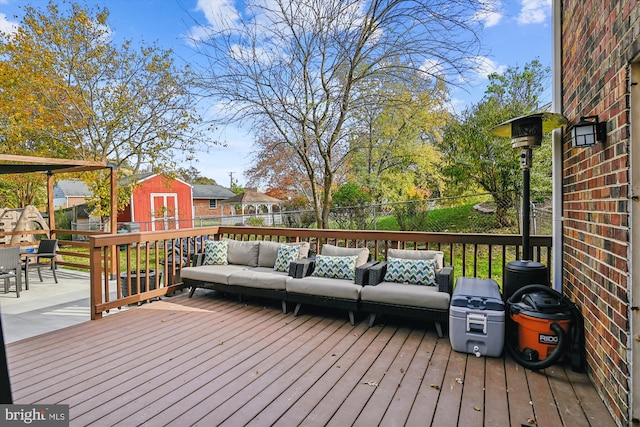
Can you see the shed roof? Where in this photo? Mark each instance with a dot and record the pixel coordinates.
(207, 191)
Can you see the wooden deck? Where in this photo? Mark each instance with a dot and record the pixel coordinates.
(210, 361)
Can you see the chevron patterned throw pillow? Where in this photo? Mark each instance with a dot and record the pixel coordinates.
(336, 267)
(215, 252)
(286, 255)
(414, 271)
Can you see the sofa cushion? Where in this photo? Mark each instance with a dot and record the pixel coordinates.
(418, 254)
(335, 267)
(243, 252)
(322, 286)
(286, 255)
(361, 253)
(215, 252)
(414, 271)
(211, 273)
(260, 277)
(269, 252)
(406, 295)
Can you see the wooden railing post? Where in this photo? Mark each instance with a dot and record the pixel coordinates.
(95, 278)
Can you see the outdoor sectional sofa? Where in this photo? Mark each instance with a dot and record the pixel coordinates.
(338, 277)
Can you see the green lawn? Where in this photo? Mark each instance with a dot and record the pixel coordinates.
(459, 219)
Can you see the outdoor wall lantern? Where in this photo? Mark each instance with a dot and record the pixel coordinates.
(526, 133)
(588, 131)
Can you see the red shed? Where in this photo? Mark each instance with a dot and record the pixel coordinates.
(158, 202)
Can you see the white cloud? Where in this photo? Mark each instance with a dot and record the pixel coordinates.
(219, 13)
(491, 13)
(432, 67)
(534, 11)
(483, 66)
(7, 26)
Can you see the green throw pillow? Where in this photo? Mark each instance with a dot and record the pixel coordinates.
(286, 255)
(336, 267)
(414, 271)
(215, 252)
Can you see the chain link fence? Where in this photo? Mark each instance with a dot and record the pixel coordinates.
(472, 214)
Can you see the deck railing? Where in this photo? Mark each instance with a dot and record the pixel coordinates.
(146, 265)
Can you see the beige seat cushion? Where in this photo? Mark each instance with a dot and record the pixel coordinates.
(261, 278)
(405, 294)
(211, 273)
(321, 286)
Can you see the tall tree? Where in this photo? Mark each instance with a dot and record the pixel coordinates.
(393, 145)
(273, 167)
(104, 101)
(473, 158)
(301, 68)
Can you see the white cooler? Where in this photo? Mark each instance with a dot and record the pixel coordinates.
(476, 317)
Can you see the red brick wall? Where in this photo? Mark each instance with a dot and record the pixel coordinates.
(597, 45)
(202, 208)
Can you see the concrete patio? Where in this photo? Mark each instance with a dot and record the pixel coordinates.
(46, 306)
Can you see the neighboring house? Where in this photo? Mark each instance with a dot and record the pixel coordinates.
(253, 204)
(597, 190)
(158, 202)
(207, 199)
(68, 193)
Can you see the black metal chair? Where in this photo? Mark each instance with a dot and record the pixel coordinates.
(46, 252)
(10, 268)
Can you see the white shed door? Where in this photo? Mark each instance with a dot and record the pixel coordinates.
(164, 211)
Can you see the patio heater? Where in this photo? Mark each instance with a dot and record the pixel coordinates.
(526, 133)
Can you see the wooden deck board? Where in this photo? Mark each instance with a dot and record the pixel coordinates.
(389, 389)
(342, 359)
(542, 396)
(473, 398)
(299, 386)
(568, 409)
(209, 360)
(405, 396)
(231, 398)
(518, 394)
(349, 378)
(448, 408)
(426, 401)
(279, 381)
(496, 408)
(380, 378)
(191, 361)
(215, 366)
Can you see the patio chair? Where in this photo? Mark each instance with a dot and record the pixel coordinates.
(46, 252)
(10, 268)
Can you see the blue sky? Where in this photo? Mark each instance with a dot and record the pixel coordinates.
(517, 32)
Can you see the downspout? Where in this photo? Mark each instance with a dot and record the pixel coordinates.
(556, 141)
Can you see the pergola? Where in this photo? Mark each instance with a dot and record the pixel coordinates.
(11, 164)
